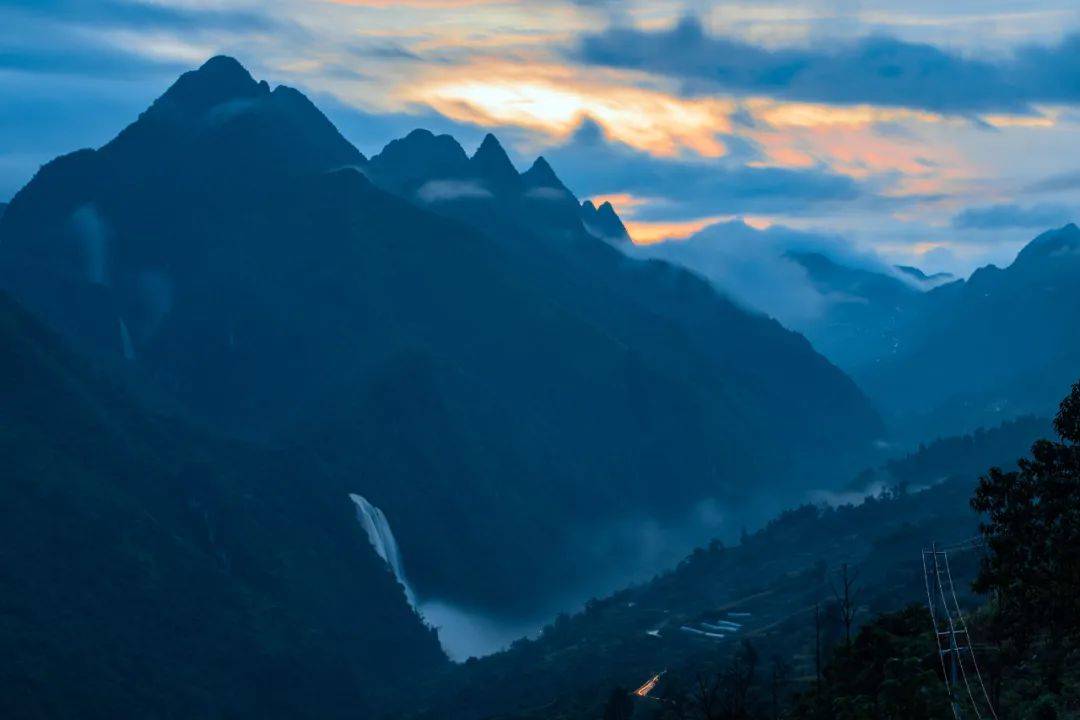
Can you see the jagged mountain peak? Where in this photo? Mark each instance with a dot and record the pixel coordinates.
(490, 146)
(607, 211)
(221, 111)
(423, 148)
(421, 156)
(603, 222)
(299, 298)
(542, 175)
(220, 79)
(493, 165)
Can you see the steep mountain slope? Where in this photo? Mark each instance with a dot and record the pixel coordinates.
(149, 570)
(937, 357)
(603, 222)
(994, 346)
(952, 357)
(503, 395)
(554, 237)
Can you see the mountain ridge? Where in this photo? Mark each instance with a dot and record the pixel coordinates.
(272, 287)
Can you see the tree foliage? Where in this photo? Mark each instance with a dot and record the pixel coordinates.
(1032, 529)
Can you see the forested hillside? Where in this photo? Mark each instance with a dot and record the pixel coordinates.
(150, 569)
(770, 585)
(500, 390)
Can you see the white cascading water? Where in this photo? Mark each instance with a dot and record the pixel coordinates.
(463, 634)
(382, 540)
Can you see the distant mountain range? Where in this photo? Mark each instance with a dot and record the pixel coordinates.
(448, 334)
(977, 351)
(938, 277)
(938, 356)
(945, 357)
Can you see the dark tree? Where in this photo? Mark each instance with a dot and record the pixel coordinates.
(889, 671)
(1032, 531)
(739, 682)
(846, 594)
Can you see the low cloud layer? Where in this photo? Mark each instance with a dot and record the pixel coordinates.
(754, 268)
(446, 190)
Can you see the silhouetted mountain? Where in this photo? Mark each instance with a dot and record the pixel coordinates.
(952, 357)
(938, 357)
(994, 346)
(3, 207)
(503, 384)
(406, 164)
(574, 269)
(485, 191)
(603, 222)
(540, 175)
(151, 570)
(492, 166)
(923, 277)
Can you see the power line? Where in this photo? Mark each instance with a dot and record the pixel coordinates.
(971, 651)
(936, 573)
(931, 605)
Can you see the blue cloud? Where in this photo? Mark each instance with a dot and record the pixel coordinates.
(878, 70)
(1061, 182)
(1009, 215)
(134, 14)
(72, 37)
(592, 165)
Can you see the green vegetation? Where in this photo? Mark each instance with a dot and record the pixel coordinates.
(147, 570)
(500, 388)
(770, 583)
(784, 585)
(1027, 634)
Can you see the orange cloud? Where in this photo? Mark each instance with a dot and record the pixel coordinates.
(782, 114)
(849, 141)
(554, 99)
(625, 204)
(649, 233)
(1046, 119)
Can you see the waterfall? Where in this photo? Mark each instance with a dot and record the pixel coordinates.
(125, 341)
(382, 540)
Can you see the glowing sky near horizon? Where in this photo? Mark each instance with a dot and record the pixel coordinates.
(942, 134)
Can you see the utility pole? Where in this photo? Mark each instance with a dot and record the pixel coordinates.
(935, 591)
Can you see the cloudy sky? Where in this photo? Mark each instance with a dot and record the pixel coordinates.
(940, 133)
